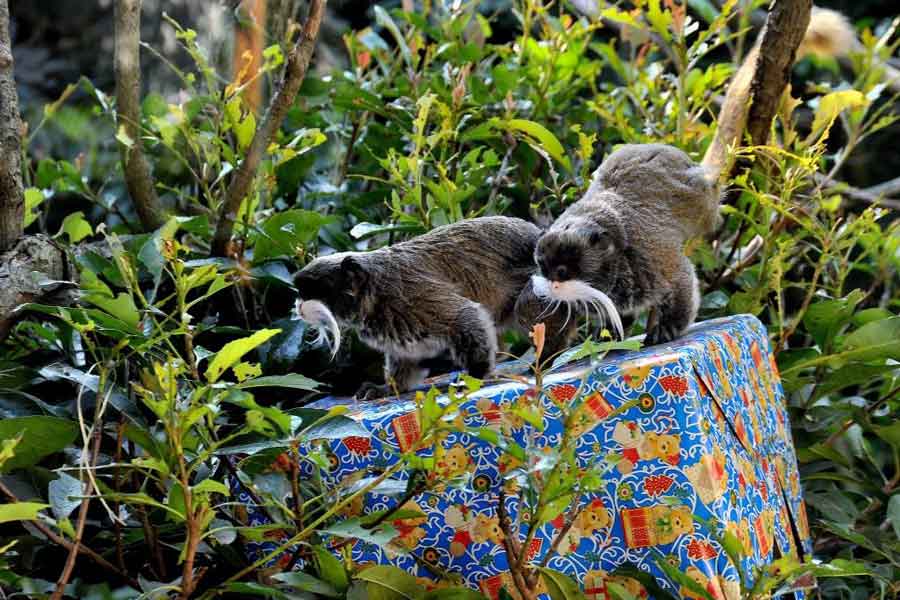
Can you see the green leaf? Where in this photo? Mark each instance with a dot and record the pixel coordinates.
(331, 569)
(893, 513)
(40, 436)
(823, 319)
(21, 511)
(559, 585)
(293, 381)
(873, 341)
(543, 137)
(830, 106)
(64, 495)
(454, 593)
(284, 232)
(211, 486)
(244, 130)
(353, 528)
(362, 231)
(384, 19)
(75, 227)
(592, 348)
(256, 589)
(679, 577)
(394, 583)
(233, 351)
(307, 583)
(33, 198)
(840, 567)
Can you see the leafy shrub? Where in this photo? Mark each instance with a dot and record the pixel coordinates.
(161, 383)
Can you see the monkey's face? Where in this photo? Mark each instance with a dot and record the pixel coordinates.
(575, 253)
(577, 263)
(336, 281)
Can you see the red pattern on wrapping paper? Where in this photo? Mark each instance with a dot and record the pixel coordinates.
(631, 455)
(636, 523)
(698, 549)
(490, 586)
(598, 406)
(657, 484)
(406, 428)
(563, 393)
(559, 522)
(357, 444)
(462, 537)
(674, 385)
(534, 547)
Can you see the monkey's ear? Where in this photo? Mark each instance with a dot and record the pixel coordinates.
(354, 273)
(602, 240)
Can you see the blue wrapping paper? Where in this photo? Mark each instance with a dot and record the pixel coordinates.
(697, 432)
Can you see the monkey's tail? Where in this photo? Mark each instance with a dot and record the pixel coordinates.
(829, 34)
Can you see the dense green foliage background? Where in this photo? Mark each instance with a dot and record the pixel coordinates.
(173, 363)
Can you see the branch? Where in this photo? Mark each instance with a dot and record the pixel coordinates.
(785, 28)
(82, 549)
(128, 114)
(294, 72)
(12, 195)
(871, 195)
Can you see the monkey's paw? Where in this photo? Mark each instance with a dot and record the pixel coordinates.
(372, 391)
(662, 333)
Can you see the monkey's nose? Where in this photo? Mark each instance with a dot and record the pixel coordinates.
(561, 273)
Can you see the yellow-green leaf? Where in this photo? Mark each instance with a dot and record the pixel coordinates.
(233, 351)
(76, 227)
(33, 198)
(244, 131)
(543, 137)
(245, 370)
(21, 511)
(830, 106)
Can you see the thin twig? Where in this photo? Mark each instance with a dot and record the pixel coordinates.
(82, 518)
(82, 549)
(869, 410)
(870, 195)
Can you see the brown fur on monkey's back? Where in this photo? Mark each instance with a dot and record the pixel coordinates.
(661, 184)
(486, 259)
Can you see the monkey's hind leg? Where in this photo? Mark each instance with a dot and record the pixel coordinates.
(677, 310)
(473, 343)
(560, 321)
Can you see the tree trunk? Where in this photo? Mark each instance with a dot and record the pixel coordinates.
(291, 80)
(138, 178)
(785, 28)
(12, 195)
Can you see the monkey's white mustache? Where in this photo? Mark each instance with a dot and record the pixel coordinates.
(577, 292)
(319, 317)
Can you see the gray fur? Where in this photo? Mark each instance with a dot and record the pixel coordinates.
(626, 236)
(445, 290)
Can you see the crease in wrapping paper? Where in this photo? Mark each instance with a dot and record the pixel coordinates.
(703, 432)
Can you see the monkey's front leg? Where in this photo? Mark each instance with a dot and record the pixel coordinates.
(400, 375)
(474, 339)
(677, 310)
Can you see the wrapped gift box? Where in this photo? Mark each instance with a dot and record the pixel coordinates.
(699, 436)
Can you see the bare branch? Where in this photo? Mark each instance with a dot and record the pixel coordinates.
(291, 80)
(61, 541)
(785, 27)
(12, 195)
(128, 114)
